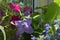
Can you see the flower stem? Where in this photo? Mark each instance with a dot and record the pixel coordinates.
(2, 29)
(20, 13)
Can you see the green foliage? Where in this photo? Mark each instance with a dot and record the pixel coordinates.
(51, 13)
(57, 2)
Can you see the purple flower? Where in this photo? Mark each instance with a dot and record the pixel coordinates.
(52, 37)
(47, 26)
(29, 21)
(24, 26)
(44, 32)
(56, 22)
(58, 30)
(58, 33)
(46, 38)
(33, 38)
(58, 38)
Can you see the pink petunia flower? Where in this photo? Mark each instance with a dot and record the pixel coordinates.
(15, 7)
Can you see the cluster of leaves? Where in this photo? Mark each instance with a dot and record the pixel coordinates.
(49, 14)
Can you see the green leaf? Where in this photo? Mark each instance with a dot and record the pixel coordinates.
(58, 16)
(57, 2)
(51, 13)
(35, 20)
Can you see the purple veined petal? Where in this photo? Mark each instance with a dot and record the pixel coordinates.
(20, 30)
(19, 23)
(20, 27)
(29, 21)
(29, 30)
(25, 24)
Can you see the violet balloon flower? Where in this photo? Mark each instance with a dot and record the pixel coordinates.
(24, 26)
(15, 7)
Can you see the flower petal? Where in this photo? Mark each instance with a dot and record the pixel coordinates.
(28, 30)
(29, 21)
(19, 24)
(20, 27)
(17, 8)
(20, 31)
(25, 24)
